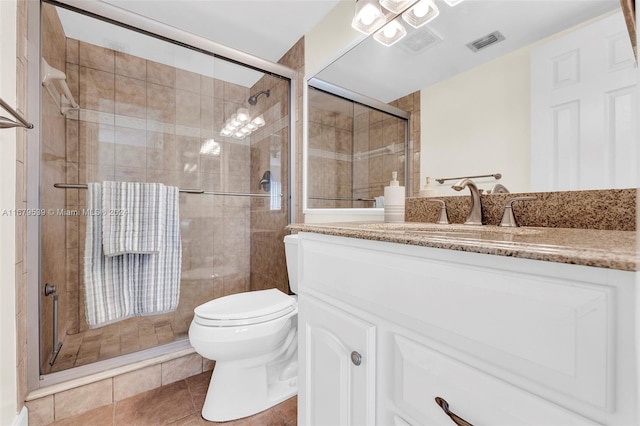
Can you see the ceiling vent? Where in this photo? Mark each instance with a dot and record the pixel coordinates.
(486, 41)
(419, 40)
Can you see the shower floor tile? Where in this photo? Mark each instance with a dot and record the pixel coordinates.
(115, 340)
(177, 404)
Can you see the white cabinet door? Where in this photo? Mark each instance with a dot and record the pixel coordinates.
(337, 353)
(584, 110)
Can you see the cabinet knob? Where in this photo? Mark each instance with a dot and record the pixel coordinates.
(356, 358)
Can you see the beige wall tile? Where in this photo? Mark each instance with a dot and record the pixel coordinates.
(161, 103)
(181, 368)
(83, 398)
(41, 411)
(189, 81)
(161, 74)
(187, 109)
(136, 382)
(73, 53)
(131, 97)
(97, 57)
(131, 66)
(97, 90)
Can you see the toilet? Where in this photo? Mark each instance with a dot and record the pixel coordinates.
(253, 338)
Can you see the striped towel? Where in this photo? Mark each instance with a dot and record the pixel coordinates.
(131, 284)
(134, 219)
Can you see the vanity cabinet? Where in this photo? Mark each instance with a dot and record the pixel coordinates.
(502, 340)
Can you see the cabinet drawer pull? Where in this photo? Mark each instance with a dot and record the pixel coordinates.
(445, 407)
(356, 358)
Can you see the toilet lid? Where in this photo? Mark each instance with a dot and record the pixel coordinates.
(246, 308)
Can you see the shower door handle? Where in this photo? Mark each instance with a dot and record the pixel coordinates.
(50, 289)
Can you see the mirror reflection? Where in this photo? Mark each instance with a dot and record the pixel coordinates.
(353, 149)
(550, 104)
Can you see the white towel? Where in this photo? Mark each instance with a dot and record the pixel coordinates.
(134, 217)
(132, 284)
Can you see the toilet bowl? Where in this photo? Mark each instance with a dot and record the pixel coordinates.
(253, 338)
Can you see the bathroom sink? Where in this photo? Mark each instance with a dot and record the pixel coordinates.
(451, 229)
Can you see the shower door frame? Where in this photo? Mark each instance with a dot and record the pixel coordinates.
(109, 13)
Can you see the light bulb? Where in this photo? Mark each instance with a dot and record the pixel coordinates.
(242, 115)
(390, 31)
(258, 121)
(251, 126)
(368, 14)
(421, 9)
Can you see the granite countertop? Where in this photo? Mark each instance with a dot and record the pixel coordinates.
(588, 247)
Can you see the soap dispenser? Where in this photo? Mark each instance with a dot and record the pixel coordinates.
(394, 196)
(427, 191)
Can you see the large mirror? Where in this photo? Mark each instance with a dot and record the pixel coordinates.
(542, 92)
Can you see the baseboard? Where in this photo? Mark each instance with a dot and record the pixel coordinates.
(22, 419)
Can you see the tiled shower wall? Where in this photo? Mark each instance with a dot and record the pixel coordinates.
(411, 104)
(373, 131)
(143, 121)
(270, 152)
(331, 156)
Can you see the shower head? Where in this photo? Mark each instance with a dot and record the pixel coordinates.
(253, 99)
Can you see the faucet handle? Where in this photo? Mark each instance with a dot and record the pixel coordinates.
(442, 217)
(508, 219)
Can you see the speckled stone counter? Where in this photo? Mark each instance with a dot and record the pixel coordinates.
(588, 247)
(612, 209)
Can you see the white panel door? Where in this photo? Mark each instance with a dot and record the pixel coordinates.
(584, 132)
(338, 363)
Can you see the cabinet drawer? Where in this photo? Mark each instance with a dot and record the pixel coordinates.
(422, 374)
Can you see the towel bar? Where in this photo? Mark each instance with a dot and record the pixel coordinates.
(6, 123)
(186, 191)
(495, 175)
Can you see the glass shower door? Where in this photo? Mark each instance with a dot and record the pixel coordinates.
(151, 111)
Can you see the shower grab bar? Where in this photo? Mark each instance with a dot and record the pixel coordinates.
(84, 186)
(495, 175)
(185, 191)
(7, 123)
(341, 199)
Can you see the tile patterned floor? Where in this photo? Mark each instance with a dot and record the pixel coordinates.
(176, 404)
(117, 339)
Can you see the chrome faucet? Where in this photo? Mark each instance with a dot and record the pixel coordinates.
(475, 212)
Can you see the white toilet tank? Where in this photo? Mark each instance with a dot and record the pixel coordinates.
(291, 254)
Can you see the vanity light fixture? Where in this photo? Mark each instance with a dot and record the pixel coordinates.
(210, 147)
(379, 17)
(452, 2)
(391, 33)
(368, 17)
(396, 6)
(420, 13)
(240, 125)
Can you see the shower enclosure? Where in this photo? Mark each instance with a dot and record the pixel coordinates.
(146, 109)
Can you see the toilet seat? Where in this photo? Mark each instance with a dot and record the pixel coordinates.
(245, 308)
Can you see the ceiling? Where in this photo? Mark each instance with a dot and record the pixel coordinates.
(419, 60)
(268, 29)
(263, 28)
